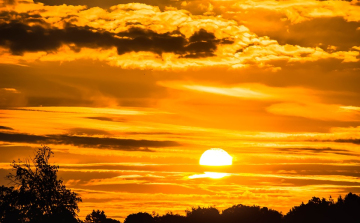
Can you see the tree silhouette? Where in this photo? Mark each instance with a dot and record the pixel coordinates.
(38, 195)
(203, 215)
(326, 211)
(99, 217)
(349, 208)
(96, 217)
(250, 214)
(9, 213)
(141, 217)
(316, 210)
(170, 218)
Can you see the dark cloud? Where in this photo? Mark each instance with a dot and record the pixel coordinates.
(353, 141)
(150, 133)
(9, 2)
(317, 150)
(6, 128)
(90, 90)
(18, 137)
(108, 119)
(83, 141)
(56, 101)
(20, 37)
(21, 17)
(87, 131)
(109, 3)
(317, 32)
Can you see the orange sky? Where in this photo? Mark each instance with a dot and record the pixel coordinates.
(130, 95)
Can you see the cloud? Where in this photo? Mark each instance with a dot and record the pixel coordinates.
(300, 11)
(336, 34)
(107, 3)
(254, 91)
(315, 111)
(90, 142)
(11, 97)
(10, 90)
(9, 2)
(90, 110)
(136, 35)
(317, 150)
(296, 101)
(6, 128)
(87, 132)
(353, 141)
(108, 119)
(20, 37)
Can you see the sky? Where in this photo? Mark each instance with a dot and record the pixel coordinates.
(129, 95)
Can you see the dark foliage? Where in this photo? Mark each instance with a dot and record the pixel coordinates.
(170, 218)
(246, 214)
(326, 211)
(203, 215)
(9, 213)
(99, 217)
(38, 195)
(140, 217)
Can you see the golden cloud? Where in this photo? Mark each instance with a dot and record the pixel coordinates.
(128, 36)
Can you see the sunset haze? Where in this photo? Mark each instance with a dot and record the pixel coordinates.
(129, 95)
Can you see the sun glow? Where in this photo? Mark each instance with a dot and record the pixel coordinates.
(215, 157)
(212, 175)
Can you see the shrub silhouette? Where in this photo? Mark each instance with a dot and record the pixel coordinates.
(250, 214)
(203, 215)
(99, 217)
(350, 208)
(37, 195)
(9, 213)
(170, 218)
(326, 211)
(141, 217)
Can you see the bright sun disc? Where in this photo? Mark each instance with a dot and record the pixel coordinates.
(215, 157)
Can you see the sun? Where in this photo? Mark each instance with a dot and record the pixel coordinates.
(215, 157)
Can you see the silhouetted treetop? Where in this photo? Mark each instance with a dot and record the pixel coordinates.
(99, 217)
(38, 195)
(170, 218)
(326, 211)
(203, 215)
(141, 217)
(250, 214)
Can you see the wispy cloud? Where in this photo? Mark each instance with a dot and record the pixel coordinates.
(6, 128)
(84, 141)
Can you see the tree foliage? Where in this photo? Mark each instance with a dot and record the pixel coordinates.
(170, 218)
(250, 214)
(37, 195)
(141, 217)
(99, 217)
(203, 215)
(326, 211)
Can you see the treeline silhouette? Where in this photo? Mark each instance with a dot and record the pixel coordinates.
(38, 196)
